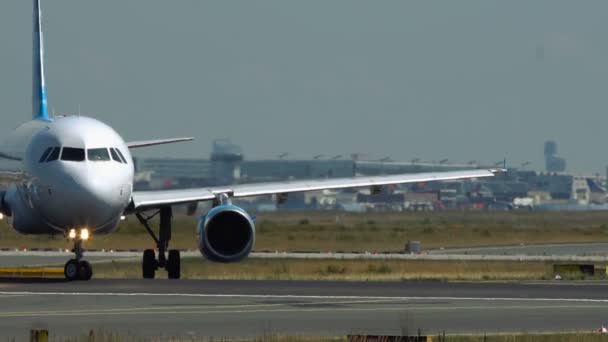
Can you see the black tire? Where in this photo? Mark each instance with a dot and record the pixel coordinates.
(71, 270)
(85, 270)
(174, 264)
(148, 265)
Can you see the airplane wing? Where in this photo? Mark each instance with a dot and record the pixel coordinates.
(136, 144)
(9, 157)
(143, 200)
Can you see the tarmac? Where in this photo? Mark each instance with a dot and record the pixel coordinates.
(53, 259)
(216, 309)
(182, 308)
(557, 253)
(567, 249)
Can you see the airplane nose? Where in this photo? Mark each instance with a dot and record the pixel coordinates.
(102, 193)
(86, 201)
(82, 195)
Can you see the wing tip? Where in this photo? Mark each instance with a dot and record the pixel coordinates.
(498, 171)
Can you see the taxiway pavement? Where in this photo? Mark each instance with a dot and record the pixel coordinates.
(166, 308)
(588, 252)
(568, 249)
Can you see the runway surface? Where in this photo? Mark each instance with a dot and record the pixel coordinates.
(582, 252)
(579, 249)
(53, 260)
(252, 308)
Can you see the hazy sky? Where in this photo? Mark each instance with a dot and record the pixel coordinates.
(450, 79)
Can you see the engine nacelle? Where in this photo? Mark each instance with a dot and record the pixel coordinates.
(4, 209)
(226, 234)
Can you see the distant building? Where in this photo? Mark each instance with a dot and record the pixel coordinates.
(167, 173)
(226, 160)
(366, 167)
(553, 163)
(559, 186)
(267, 170)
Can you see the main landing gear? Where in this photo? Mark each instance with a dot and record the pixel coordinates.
(171, 263)
(78, 269)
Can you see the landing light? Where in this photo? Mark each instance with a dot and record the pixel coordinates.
(84, 234)
(1, 216)
(122, 218)
(72, 234)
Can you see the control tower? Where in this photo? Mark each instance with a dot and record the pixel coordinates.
(553, 163)
(226, 159)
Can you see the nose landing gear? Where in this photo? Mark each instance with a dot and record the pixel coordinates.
(78, 269)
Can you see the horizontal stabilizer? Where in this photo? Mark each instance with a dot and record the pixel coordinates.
(136, 144)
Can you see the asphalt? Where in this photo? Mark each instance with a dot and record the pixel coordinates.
(582, 252)
(26, 260)
(571, 249)
(166, 308)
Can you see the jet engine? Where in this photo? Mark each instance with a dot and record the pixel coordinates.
(226, 234)
(4, 210)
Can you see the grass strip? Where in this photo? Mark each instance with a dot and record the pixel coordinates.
(353, 270)
(374, 232)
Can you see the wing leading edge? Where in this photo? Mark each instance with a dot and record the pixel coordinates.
(145, 143)
(143, 200)
(9, 157)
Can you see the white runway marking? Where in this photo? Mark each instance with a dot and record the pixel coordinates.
(202, 295)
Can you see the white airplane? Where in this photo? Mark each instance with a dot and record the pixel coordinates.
(73, 176)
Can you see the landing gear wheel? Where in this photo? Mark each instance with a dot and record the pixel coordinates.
(173, 264)
(71, 270)
(149, 264)
(85, 270)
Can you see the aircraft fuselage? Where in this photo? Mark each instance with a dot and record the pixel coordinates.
(74, 173)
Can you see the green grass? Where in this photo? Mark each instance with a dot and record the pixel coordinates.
(333, 231)
(352, 270)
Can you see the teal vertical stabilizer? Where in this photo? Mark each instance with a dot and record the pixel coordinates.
(39, 100)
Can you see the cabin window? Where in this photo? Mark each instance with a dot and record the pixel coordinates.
(72, 154)
(45, 154)
(54, 155)
(124, 160)
(98, 154)
(115, 155)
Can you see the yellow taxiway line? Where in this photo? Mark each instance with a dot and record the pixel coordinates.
(30, 271)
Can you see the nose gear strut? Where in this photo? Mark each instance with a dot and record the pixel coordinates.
(78, 269)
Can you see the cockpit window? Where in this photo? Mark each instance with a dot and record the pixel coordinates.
(72, 154)
(115, 155)
(124, 160)
(45, 154)
(98, 154)
(54, 155)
